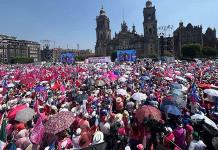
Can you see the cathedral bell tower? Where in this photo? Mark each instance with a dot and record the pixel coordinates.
(150, 29)
(103, 33)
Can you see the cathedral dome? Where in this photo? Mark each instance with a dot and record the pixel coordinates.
(148, 3)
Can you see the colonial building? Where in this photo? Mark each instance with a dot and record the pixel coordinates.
(11, 47)
(145, 45)
(209, 38)
(193, 35)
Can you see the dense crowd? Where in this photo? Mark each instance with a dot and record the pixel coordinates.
(114, 106)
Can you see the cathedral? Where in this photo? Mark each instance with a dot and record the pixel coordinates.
(145, 45)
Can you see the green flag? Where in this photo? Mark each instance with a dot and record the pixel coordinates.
(3, 135)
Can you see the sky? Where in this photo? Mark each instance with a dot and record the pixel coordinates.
(71, 22)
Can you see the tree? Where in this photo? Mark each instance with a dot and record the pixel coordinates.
(79, 58)
(191, 50)
(209, 52)
(22, 60)
(113, 56)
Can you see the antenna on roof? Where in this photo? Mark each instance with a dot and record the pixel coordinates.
(102, 6)
(123, 16)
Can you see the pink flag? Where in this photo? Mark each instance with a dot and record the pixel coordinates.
(62, 88)
(38, 132)
(36, 107)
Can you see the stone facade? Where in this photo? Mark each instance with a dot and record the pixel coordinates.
(145, 45)
(193, 35)
(209, 38)
(11, 47)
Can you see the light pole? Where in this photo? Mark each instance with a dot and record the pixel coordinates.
(165, 34)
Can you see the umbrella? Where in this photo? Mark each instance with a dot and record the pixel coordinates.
(12, 113)
(148, 112)
(176, 86)
(139, 96)
(25, 115)
(171, 109)
(100, 83)
(39, 88)
(211, 92)
(204, 86)
(10, 85)
(181, 78)
(177, 92)
(177, 72)
(146, 78)
(44, 82)
(59, 122)
(168, 79)
(122, 92)
(203, 119)
(122, 79)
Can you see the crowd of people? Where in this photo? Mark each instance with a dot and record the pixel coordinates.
(112, 106)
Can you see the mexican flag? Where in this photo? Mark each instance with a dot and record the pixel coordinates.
(3, 135)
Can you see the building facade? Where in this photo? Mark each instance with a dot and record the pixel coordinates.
(145, 45)
(11, 47)
(209, 38)
(193, 35)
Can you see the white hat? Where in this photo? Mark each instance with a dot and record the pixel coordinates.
(54, 107)
(169, 129)
(28, 93)
(78, 131)
(98, 138)
(93, 113)
(127, 148)
(86, 115)
(63, 109)
(118, 117)
(73, 109)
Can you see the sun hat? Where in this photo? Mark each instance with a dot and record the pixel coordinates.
(98, 138)
(54, 107)
(78, 131)
(118, 117)
(125, 113)
(127, 148)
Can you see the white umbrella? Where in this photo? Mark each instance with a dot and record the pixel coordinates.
(122, 92)
(25, 115)
(168, 79)
(10, 85)
(200, 117)
(122, 79)
(44, 82)
(139, 96)
(211, 92)
(181, 78)
(184, 89)
(17, 81)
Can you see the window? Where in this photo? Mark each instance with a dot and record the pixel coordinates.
(150, 31)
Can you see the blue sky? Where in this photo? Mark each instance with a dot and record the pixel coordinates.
(68, 22)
